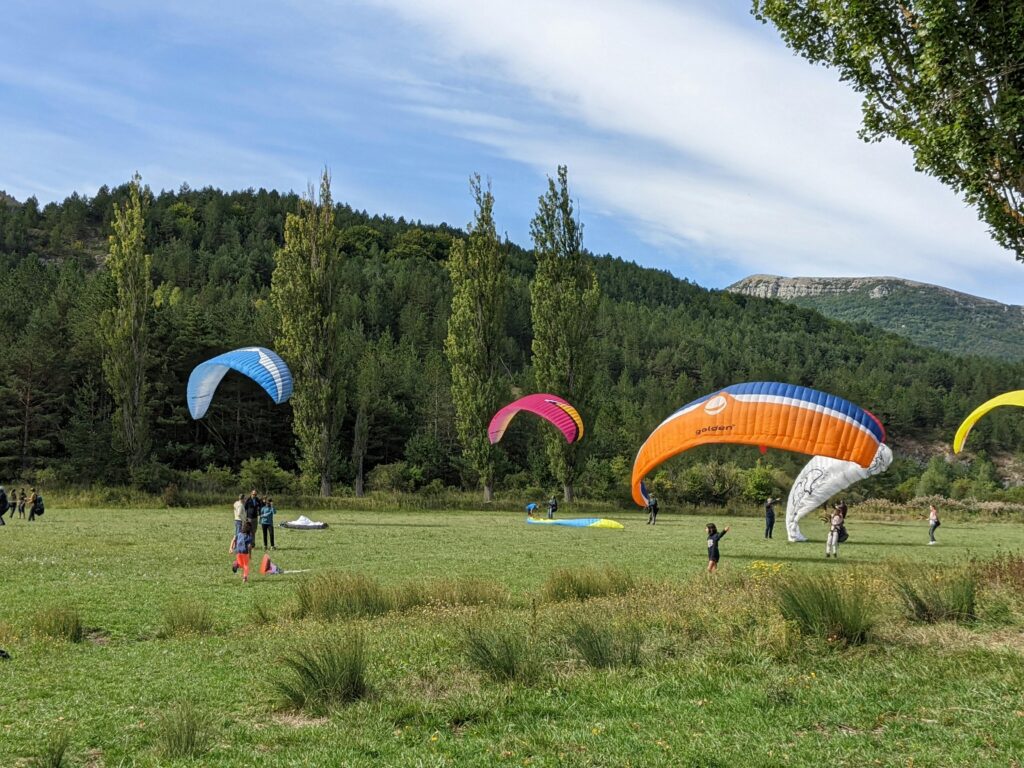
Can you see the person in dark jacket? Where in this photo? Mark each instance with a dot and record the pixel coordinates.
(4, 505)
(652, 511)
(769, 516)
(253, 505)
(713, 538)
(552, 507)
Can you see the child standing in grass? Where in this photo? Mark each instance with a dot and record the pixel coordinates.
(267, 513)
(713, 538)
(243, 546)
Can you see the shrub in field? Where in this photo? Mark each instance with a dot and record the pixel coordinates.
(1003, 570)
(182, 732)
(61, 622)
(826, 608)
(502, 653)
(324, 674)
(184, 617)
(602, 644)
(930, 596)
(448, 592)
(53, 752)
(330, 596)
(584, 583)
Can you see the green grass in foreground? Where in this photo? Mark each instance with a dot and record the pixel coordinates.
(723, 679)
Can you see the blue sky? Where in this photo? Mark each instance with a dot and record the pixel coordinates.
(695, 140)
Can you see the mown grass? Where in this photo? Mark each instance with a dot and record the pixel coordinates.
(723, 672)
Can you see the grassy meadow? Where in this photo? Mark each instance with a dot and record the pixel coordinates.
(477, 640)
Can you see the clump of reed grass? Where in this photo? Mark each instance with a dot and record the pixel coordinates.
(824, 607)
(503, 653)
(182, 732)
(448, 592)
(61, 622)
(324, 674)
(602, 644)
(585, 583)
(186, 617)
(932, 597)
(54, 750)
(331, 596)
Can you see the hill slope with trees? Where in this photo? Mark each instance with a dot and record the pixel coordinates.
(659, 342)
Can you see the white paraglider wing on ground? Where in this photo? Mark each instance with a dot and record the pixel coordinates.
(823, 478)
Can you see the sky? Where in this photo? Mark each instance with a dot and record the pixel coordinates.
(695, 140)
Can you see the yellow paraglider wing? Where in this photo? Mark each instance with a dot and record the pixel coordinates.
(1008, 398)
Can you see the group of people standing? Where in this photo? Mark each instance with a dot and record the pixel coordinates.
(250, 511)
(18, 502)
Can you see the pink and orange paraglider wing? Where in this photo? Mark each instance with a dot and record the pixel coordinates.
(549, 407)
(763, 413)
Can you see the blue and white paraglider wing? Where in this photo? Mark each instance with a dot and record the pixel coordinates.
(258, 363)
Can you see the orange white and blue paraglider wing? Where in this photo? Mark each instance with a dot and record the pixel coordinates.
(763, 413)
(550, 407)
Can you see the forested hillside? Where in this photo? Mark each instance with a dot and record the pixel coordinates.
(929, 315)
(661, 342)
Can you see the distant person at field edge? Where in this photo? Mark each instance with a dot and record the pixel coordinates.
(769, 516)
(33, 505)
(652, 511)
(267, 513)
(933, 523)
(243, 546)
(4, 505)
(239, 509)
(21, 502)
(835, 523)
(713, 538)
(253, 505)
(552, 507)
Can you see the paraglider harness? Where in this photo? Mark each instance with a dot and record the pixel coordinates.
(38, 508)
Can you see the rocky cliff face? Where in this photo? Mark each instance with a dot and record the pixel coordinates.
(790, 288)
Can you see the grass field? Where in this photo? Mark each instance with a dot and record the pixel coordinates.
(723, 678)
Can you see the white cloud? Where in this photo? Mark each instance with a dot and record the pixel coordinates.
(699, 130)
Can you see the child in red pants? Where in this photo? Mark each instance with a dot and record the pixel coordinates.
(243, 546)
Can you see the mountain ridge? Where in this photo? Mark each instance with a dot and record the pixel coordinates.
(932, 315)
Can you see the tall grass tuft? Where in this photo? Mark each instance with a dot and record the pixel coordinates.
(330, 596)
(186, 617)
(585, 583)
(603, 645)
(826, 608)
(54, 750)
(931, 597)
(500, 652)
(324, 674)
(448, 592)
(61, 622)
(182, 732)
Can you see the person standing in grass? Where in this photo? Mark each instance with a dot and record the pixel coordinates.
(243, 546)
(652, 511)
(239, 509)
(933, 523)
(4, 505)
(713, 538)
(835, 525)
(267, 513)
(22, 498)
(769, 516)
(33, 505)
(552, 507)
(253, 505)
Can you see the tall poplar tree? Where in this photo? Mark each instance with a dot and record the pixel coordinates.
(564, 297)
(308, 297)
(124, 328)
(476, 334)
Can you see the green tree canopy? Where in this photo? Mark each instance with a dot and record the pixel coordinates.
(945, 77)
